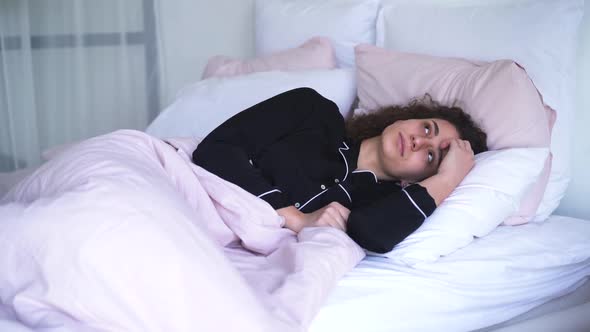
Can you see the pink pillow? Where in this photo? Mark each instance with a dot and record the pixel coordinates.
(498, 95)
(532, 199)
(316, 53)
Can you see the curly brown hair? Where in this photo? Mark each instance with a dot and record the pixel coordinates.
(364, 126)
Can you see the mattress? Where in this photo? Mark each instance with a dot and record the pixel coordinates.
(494, 279)
(565, 313)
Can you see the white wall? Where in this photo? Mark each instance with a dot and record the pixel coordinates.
(194, 30)
(576, 203)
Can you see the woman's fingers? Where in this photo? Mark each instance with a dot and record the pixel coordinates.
(334, 218)
(465, 145)
(458, 161)
(333, 215)
(445, 144)
(342, 210)
(460, 144)
(468, 145)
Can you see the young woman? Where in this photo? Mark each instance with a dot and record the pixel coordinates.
(377, 177)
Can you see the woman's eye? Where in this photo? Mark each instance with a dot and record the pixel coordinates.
(427, 130)
(430, 157)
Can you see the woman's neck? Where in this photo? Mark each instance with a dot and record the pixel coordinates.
(369, 160)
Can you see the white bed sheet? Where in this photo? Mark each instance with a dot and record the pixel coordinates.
(555, 315)
(494, 279)
(574, 319)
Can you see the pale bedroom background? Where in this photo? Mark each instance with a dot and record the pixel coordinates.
(192, 31)
(47, 100)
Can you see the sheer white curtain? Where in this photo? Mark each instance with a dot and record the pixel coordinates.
(72, 69)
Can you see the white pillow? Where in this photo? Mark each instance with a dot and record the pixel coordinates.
(204, 105)
(283, 24)
(540, 35)
(489, 194)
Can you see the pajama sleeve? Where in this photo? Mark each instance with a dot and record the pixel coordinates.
(381, 224)
(230, 150)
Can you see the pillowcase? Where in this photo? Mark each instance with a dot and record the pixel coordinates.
(532, 198)
(283, 24)
(316, 53)
(541, 35)
(476, 206)
(203, 106)
(498, 95)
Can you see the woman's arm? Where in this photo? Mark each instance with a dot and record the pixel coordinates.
(231, 149)
(383, 223)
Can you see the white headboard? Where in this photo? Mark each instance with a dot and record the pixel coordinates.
(193, 30)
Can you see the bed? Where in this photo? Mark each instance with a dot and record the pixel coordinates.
(481, 285)
(514, 278)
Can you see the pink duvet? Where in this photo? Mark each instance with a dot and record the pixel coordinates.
(123, 233)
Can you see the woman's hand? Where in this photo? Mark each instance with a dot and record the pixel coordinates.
(332, 215)
(454, 167)
(458, 161)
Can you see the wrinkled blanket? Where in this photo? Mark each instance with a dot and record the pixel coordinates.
(122, 232)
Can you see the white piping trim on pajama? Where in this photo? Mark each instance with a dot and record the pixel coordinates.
(345, 162)
(416, 205)
(362, 170)
(268, 192)
(346, 192)
(311, 199)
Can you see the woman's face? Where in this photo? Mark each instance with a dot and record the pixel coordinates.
(411, 150)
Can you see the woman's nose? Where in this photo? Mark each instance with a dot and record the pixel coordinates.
(418, 142)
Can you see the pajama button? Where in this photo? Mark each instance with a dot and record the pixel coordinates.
(336, 181)
(323, 187)
(297, 205)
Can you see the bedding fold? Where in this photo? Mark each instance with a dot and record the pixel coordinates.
(124, 232)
